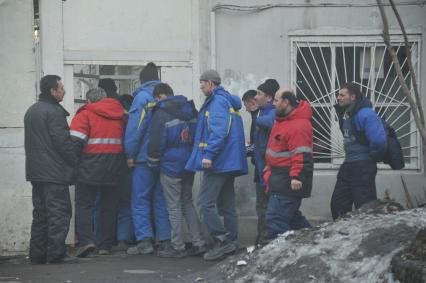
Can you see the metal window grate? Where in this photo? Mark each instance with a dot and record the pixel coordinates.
(320, 65)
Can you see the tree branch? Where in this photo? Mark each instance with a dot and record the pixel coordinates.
(405, 89)
(410, 63)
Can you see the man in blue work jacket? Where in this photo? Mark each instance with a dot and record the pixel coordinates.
(219, 151)
(145, 180)
(264, 122)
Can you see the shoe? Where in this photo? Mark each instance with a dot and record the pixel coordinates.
(66, 259)
(104, 252)
(121, 246)
(197, 250)
(169, 251)
(164, 245)
(38, 261)
(143, 247)
(85, 250)
(220, 250)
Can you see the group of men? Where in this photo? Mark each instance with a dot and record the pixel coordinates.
(149, 156)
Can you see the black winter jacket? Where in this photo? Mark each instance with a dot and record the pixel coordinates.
(50, 155)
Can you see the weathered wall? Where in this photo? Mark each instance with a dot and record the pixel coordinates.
(17, 78)
(253, 45)
(249, 47)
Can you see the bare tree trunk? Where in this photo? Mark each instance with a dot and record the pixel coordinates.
(416, 106)
(410, 64)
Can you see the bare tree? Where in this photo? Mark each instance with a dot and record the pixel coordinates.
(415, 104)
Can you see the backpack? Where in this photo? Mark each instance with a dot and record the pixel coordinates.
(393, 156)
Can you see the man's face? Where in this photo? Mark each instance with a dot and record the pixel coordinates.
(344, 98)
(262, 98)
(59, 92)
(207, 87)
(281, 105)
(250, 105)
(160, 97)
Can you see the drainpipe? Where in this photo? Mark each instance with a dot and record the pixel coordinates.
(213, 39)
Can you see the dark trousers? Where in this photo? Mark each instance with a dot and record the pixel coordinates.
(125, 230)
(85, 202)
(51, 220)
(217, 198)
(356, 185)
(261, 207)
(283, 215)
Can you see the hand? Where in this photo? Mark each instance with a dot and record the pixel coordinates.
(206, 163)
(296, 185)
(130, 163)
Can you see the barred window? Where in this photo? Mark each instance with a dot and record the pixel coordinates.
(320, 65)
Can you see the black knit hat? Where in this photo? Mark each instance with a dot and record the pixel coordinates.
(108, 85)
(149, 73)
(270, 87)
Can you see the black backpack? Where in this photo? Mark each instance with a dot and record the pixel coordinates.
(394, 156)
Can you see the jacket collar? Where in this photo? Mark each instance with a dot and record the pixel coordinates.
(51, 100)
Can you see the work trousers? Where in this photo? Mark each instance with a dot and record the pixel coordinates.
(51, 220)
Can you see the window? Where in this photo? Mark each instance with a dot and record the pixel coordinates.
(88, 76)
(319, 68)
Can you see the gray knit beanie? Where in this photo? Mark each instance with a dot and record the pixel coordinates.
(210, 75)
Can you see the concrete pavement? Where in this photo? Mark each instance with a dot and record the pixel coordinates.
(117, 267)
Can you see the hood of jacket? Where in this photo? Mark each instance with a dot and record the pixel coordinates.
(354, 107)
(302, 111)
(108, 108)
(351, 109)
(178, 106)
(234, 100)
(149, 85)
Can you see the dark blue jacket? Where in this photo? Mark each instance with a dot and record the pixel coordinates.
(171, 135)
(219, 135)
(136, 136)
(359, 116)
(264, 122)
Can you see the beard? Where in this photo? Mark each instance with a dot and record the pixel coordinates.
(280, 112)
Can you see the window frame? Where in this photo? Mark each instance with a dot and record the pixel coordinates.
(335, 41)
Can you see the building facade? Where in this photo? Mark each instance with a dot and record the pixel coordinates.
(313, 46)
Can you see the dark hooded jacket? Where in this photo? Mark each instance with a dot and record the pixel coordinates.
(171, 135)
(50, 155)
(98, 129)
(360, 117)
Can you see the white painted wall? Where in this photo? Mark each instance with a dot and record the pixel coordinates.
(252, 46)
(17, 80)
(131, 30)
(176, 35)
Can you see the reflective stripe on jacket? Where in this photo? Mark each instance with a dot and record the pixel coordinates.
(219, 135)
(99, 129)
(289, 152)
(136, 137)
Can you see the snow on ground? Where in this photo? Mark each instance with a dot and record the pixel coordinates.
(358, 248)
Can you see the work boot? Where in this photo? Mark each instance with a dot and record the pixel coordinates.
(163, 245)
(122, 246)
(85, 250)
(169, 251)
(220, 250)
(65, 260)
(197, 250)
(143, 247)
(104, 251)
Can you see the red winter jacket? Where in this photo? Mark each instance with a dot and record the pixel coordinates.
(99, 129)
(289, 152)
